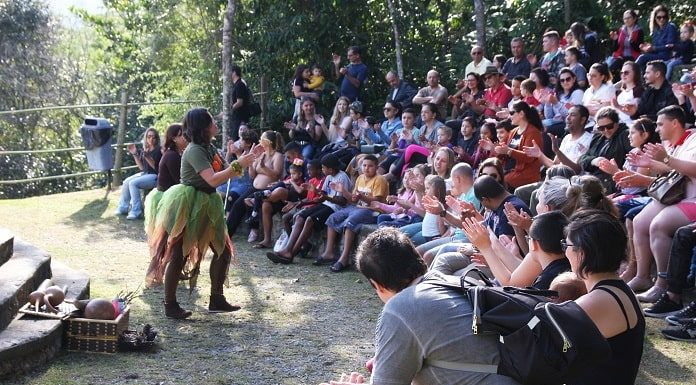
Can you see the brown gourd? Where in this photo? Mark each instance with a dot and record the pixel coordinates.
(100, 308)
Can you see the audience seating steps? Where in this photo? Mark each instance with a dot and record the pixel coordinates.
(318, 238)
(27, 342)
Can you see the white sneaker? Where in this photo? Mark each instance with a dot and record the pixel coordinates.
(253, 236)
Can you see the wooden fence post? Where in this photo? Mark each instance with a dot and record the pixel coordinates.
(120, 138)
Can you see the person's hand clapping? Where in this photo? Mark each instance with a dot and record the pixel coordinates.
(656, 151)
(432, 205)
(468, 210)
(319, 119)
(639, 159)
(132, 149)
(453, 203)
(477, 233)
(516, 218)
(534, 151)
(608, 166)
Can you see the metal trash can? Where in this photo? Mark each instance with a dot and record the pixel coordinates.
(96, 136)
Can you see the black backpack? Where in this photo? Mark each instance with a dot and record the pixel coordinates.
(541, 343)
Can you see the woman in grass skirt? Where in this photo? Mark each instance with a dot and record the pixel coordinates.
(190, 218)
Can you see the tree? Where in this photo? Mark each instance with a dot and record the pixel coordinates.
(227, 61)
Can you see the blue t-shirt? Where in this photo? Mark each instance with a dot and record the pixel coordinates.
(358, 71)
(498, 221)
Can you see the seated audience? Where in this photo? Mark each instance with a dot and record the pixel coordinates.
(400, 91)
(517, 65)
(340, 112)
(610, 141)
(572, 61)
(600, 92)
(683, 49)
(629, 90)
(390, 128)
(496, 96)
(405, 208)
(434, 93)
(349, 220)
(147, 161)
(663, 36)
(307, 128)
(479, 63)
(625, 45)
(657, 95)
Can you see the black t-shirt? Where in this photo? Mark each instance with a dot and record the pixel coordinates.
(156, 155)
(169, 170)
(241, 91)
(300, 82)
(552, 270)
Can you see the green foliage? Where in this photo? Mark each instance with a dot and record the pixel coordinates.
(171, 50)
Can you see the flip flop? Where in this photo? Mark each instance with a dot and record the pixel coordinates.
(260, 246)
(338, 267)
(277, 258)
(324, 261)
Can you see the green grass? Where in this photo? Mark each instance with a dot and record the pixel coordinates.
(300, 324)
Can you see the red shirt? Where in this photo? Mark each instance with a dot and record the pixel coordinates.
(311, 194)
(500, 97)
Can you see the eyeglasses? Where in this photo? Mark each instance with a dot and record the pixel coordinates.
(604, 127)
(568, 79)
(660, 17)
(387, 109)
(565, 245)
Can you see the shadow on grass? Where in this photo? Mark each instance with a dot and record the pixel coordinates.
(92, 221)
(657, 368)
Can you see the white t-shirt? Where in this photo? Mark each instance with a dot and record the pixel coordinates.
(626, 97)
(603, 94)
(574, 149)
(341, 177)
(479, 69)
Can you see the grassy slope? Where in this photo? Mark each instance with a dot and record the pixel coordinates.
(300, 324)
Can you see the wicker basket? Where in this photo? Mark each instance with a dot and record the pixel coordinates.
(91, 335)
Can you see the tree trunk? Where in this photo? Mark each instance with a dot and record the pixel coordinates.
(227, 61)
(479, 11)
(444, 9)
(397, 40)
(566, 13)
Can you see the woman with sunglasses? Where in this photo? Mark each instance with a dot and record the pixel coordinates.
(629, 89)
(663, 36)
(557, 105)
(625, 44)
(390, 128)
(610, 141)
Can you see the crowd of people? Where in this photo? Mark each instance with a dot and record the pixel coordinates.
(531, 168)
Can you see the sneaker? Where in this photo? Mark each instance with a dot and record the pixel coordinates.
(652, 295)
(120, 212)
(683, 316)
(132, 217)
(663, 307)
(684, 333)
(253, 236)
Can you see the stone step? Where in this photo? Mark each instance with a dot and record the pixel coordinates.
(6, 245)
(28, 342)
(19, 276)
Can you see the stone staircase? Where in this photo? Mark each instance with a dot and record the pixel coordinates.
(25, 341)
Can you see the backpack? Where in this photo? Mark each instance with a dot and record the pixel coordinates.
(541, 343)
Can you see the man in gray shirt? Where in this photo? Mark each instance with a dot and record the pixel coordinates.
(421, 322)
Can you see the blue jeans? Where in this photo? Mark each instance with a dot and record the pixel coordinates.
(308, 152)
(643, 59)
(413, 231)
(670, 67)
(130, 192)
(352, 218)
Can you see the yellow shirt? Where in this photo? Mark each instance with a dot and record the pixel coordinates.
(375, 187)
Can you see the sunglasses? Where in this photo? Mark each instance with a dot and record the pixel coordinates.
(604, 127)
(388, 109)
(565, 245)
(568, 79)
(494, 176)
(625, 72)
(660, 17)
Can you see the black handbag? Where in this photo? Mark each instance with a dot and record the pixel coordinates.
(669, 189)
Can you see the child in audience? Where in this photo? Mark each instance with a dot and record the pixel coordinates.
(292, 152)
(349, 220)
(527, 90)
(568, 286)
(572, 57)
(313, 188)
(292, 189)
(683, 50)
(423, 232)
(405, 208)
(316, 79)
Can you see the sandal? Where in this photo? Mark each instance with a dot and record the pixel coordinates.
(324, 261)
(338, 267)
(277, 258)
(260, 246)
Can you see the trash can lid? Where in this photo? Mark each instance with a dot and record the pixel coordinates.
(97, 122)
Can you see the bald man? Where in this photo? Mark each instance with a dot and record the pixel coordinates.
(401, 91)
(433, 93)
(479, 62)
